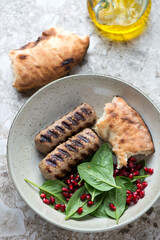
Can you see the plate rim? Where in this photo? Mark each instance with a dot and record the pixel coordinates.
(11, 173)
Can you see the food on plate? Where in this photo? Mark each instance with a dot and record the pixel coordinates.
(104, 192)
(125, 130)
(60, 162)
(81, 117)
(50, 57)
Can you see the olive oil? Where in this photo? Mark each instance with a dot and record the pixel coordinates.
(120, 20)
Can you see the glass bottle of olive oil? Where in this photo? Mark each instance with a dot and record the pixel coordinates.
(121, 20)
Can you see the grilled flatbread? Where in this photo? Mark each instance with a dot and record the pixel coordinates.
(125, 130)
(50, 57)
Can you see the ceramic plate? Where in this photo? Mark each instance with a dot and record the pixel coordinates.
(49, 104)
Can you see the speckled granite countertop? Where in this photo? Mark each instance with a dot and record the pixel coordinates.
(138, 62)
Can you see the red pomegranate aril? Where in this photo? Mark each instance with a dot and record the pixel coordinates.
(65, 194)
(63, 207)
(138, 181)
(128, 202)
(128, 192)
(74, 182)
(112, 207)
(57, 206)
(145, 169)
(138, 191)
(83, 197)
(71, 187)
(129, 197)
(52, 200)
(71, 177)
(68, 181)
(132, 159)
(139, 166)
(43, 195)
(77, 178)
(132, 170)
(79, 185)
(134, 196)
(116, 172)
(67, 199)
(65, 189)
(144, 184)
(139, 186)
(142, 194)
(130, 176)
(135, 201)
(88, 196)
(46, 201)
(80, 210)
(136, 173)
(150, 171)
(90, 203)
(70, 195)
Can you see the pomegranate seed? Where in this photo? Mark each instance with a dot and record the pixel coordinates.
(128, 192)
(65, 189)
(145, 169)
(139, 166)
(79, 185)
(88, 196)
(128, 202)
(63, 207)
(112, 207)
(116, 172)
(130, 176)
(83, 197)
(71, 176)
(129, 197)
(150, 171)
(138, 191)
(65, 194)
(71, 187)
(138, 181)
(43, 195)
(134, 196)
(74, 182)
(57, 206)
(142, 194)
(132, 159)
(135, 201)
(80, 210)
(52, 200)
(46, 201)
(132, 170)
(70, 195)
(77, 178)
(139, 186)
(144, 184)
(67, 199)
(68, 181)
(90, 203)
(136, 173)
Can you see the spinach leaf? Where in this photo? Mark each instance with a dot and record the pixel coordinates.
(139, 177)
(126, 181)
(103, 157)
(97, 176)
(100, 212)
(118, 198)
(94, 192)
(52, 188)
(75, 202)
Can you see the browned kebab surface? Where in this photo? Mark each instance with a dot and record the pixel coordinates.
(81, 117)
(66, 156)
